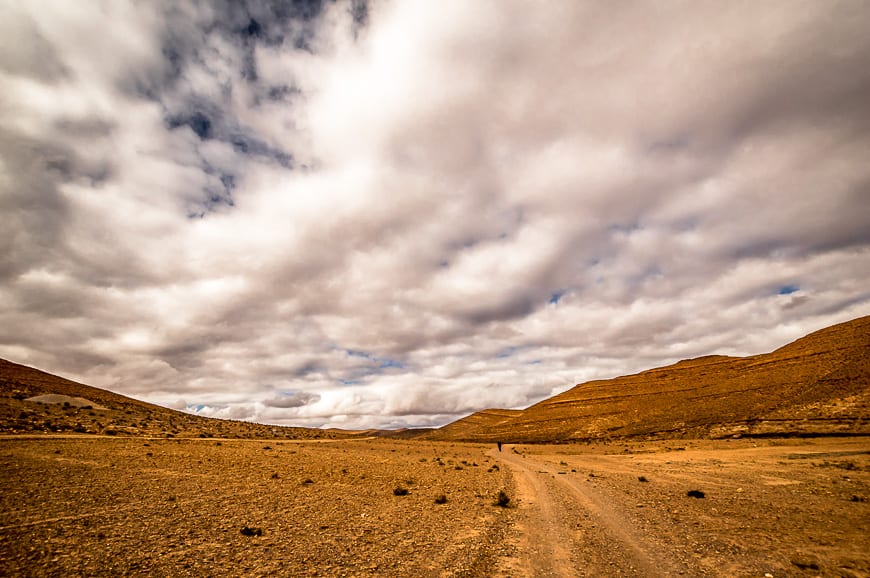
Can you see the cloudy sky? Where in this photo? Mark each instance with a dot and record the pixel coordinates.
(386, 214)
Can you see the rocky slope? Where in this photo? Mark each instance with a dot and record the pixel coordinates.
(817, 385)
(32, 401)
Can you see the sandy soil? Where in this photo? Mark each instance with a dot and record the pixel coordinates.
(128, 506)
(768, 509)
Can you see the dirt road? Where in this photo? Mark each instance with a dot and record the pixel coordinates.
(775, 510)
(192, 507)
(570, 529)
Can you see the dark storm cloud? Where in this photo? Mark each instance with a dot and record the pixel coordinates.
(393, 213)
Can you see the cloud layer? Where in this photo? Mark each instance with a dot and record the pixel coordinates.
(396, 213)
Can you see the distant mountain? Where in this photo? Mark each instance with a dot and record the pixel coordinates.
(32, 401)
(817, 385)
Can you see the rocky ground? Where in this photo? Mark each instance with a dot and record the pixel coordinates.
(128, 506)
(694, 508)
(137, 506)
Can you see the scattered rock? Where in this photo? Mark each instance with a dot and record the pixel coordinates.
(695, 494)
(805, 564)
(642, 479)
(248, 531)
(400, 491)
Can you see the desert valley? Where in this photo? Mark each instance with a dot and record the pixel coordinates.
(718, 466)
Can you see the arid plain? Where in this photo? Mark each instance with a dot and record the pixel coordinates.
(755, 466)
(194, 507)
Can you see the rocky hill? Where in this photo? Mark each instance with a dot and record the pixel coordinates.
(817, 385)
(32, 401)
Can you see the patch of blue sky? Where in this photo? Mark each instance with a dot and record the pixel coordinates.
(556, 296)
(358, 353)
(391, 363)
(380, 362)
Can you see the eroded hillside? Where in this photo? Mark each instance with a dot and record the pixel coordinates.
(817, 385)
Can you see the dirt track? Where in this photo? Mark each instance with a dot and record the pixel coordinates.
(132, 506)
(782, 510)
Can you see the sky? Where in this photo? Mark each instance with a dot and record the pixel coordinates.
(395, 213)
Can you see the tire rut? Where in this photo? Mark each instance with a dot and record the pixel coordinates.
(568, 529)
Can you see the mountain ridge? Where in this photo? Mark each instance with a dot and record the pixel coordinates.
(34, 401)
(815, 385)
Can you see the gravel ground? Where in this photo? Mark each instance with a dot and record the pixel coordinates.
(757, 507)
(198, 507)
(129, 506)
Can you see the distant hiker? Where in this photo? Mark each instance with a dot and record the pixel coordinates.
(499, 445)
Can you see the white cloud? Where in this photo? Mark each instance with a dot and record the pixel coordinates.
(458, 206)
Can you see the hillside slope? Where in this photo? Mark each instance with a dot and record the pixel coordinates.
(33, 401)
(817, 385)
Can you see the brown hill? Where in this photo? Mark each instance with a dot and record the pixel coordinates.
(468, 427)
(817, 385)
(32, 401)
